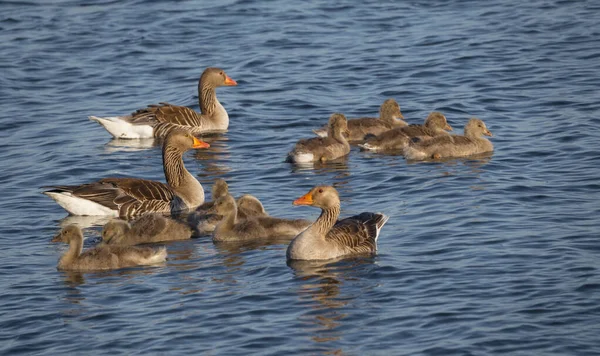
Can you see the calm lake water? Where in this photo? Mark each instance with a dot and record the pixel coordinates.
(498, 255)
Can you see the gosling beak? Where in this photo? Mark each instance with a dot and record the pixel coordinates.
(487, 133)
(229, 81)
(56, 238)
(346, 133)
(199, 144)
(401, 116)
(306, 199)
(448, 127)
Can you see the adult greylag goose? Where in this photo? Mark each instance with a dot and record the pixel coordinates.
(103, 257)
(128, 197)
(389, 117)
(158, 120)
(398, 138)
(323, 149)
(247, 206)
(329, 238)
(253, 228)
(148, 228)
(453, 146)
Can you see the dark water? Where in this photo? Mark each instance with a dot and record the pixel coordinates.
(494, 255)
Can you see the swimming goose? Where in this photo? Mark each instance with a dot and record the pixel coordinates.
(329, 237)
(323, 149)
(158, 120)
(103, 257)
(389, 117)
(453, 146)
(205, 222)
(146, 229)
(128, 197)
(253, 228)
(398, 138)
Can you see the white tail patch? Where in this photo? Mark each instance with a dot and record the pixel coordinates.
(79, 206)
(378, 227)
(120, 128)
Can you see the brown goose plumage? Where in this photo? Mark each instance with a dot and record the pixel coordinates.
(158, 120)
(103, 257)
(148, 228)
(231, 228)
(316, 149)
(129, 197)
(398, 138)
(453, 146)
(329, 238)
(389, 117)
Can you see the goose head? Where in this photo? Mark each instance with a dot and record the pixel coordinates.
(437, 120)
(68, 233)
(322, 196)
(215, 77)
(113, 229)
(338, 124)
(219, 188)
(183, 141)
(390, 110)
(476, 127)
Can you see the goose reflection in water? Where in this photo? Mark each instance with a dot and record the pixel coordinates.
(324, 285)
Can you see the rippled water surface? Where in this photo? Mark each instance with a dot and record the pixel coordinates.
(492, 255)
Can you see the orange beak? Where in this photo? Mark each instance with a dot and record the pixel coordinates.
(306, 199)
(199, 144)
(448, 127)
(229, 81)
(487, 133)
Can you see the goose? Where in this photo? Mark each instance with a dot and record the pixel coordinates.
(129, 197)
(103, 257)
(146, 229)
(253, 228)
(219, 189)
(247, 206)
(328, 237)
(453, 146)
(323, 149)
(389, 117)
(398, 138)
(158, 120)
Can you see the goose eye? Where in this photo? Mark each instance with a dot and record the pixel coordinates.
(221, 73)
(320, 190)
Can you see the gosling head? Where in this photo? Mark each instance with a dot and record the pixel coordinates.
(390, 110)
(250, 204)
(476, 127)
(437, 121)
(219, 188)
(224, 205)
(338, 124)
(114, 229)
(68, 233)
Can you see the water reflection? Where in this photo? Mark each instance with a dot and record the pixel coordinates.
(84, 222)
(119, 145)
(338, 166)
(213, 158)
(322, 284)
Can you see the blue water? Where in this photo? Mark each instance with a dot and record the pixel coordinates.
(498, 255)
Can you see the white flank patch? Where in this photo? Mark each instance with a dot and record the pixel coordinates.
(80, 206)
(120, 128)
(320, 133)
(303, 157)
